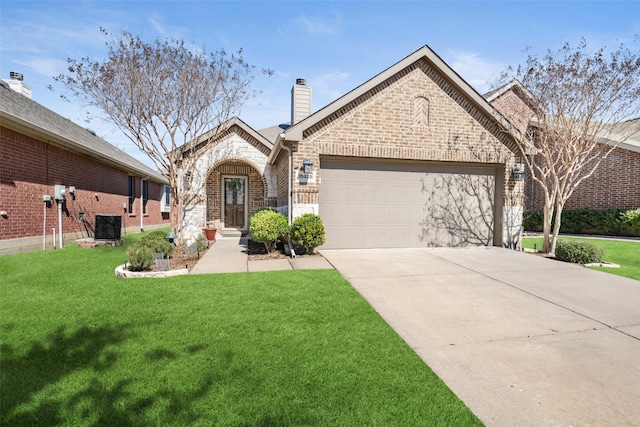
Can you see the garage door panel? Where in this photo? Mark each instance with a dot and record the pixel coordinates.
(395, 204)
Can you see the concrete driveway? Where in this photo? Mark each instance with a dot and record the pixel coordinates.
(522, 340)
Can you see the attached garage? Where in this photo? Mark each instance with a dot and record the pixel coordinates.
(367, 203)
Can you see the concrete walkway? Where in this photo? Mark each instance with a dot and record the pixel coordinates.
(522, 340)
(229, 255)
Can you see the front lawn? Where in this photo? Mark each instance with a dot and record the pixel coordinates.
(625, 253)
(81, 347)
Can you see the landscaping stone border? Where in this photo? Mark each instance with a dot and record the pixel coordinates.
(122, 272)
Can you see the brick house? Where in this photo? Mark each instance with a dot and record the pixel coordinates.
(412, 157)
(614, 185)
(42, 153)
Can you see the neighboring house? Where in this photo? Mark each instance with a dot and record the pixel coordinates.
(412, 157)
(42, 153)
(615, 184)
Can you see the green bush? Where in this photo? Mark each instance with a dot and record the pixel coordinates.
(308, 231)
(140, 258)
(632, 220)
(158, 246)
(154, 235)
(532, 221)
(578, 252)
(589, 221)
(202, 244)
(267, 226)
(157, 241)
(256, 212)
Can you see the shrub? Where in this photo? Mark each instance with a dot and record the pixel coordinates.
(606, 221)
(158, 246)
(154, 235)
(578, 252)
(532, 221)
(140, 258)
(267, 226)
(157, 241)
(632, 220)
(202, 244)
(308, 231)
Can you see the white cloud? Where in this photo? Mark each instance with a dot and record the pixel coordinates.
(329, 86)
(476, 71)
(318, 26)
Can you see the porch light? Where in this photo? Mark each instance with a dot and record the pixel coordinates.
(307, 165)
(517, 174)
(187, 178)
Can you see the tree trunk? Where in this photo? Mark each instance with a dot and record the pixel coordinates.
(556, 227)
(546, 228)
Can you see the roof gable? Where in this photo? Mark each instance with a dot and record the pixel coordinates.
(233, 125)
(456, 86)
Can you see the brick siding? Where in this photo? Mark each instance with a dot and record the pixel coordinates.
(30, 168)
(614, 185)
(415, 115)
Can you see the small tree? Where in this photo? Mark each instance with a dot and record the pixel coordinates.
(162, 95)
(267, 226)
(583, 104)
(308, 231)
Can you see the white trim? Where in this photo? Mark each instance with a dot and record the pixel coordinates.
(165, 202)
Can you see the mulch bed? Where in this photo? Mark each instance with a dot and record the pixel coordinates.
(181, 259)
(257, 251)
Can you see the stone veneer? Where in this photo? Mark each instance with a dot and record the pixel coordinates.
(233, 153)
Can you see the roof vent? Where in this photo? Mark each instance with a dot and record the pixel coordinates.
(301, 82)
(16, 76)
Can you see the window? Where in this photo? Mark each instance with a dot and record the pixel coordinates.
(145, 195)
(166, 199)
(132, 193)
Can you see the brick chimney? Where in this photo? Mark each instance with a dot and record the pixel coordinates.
(300, 101)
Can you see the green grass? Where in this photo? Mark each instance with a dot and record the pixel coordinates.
(296, 348)
(621, 252)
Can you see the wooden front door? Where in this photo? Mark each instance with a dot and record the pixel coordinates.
(234, 202)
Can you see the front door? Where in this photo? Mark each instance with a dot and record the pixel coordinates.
(234, 201)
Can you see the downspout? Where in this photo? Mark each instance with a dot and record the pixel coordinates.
(44, 228)
(60, 223)
(289, 184)
(289, 191)
(142, 201)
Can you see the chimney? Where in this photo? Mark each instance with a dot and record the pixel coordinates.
(17, 85)
(300, 101)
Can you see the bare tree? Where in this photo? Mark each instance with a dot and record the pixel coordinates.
(162, 95)
(582, 105)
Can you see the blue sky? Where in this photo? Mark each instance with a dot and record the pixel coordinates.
(335, 46)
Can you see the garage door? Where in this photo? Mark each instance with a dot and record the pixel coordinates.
(367, 204)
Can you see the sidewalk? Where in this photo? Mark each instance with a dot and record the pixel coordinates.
(229, 255)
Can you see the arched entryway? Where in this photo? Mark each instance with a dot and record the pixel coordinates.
(234, 189)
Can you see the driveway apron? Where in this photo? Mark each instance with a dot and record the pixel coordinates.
(522, 340)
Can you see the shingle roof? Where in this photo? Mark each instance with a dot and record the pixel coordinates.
(25, 112)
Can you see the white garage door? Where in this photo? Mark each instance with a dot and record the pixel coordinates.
(367, 204)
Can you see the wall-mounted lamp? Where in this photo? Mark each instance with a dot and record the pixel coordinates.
(517, 174)
(307, 166)
(187, 180)
(4, 214)
(97, 196)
